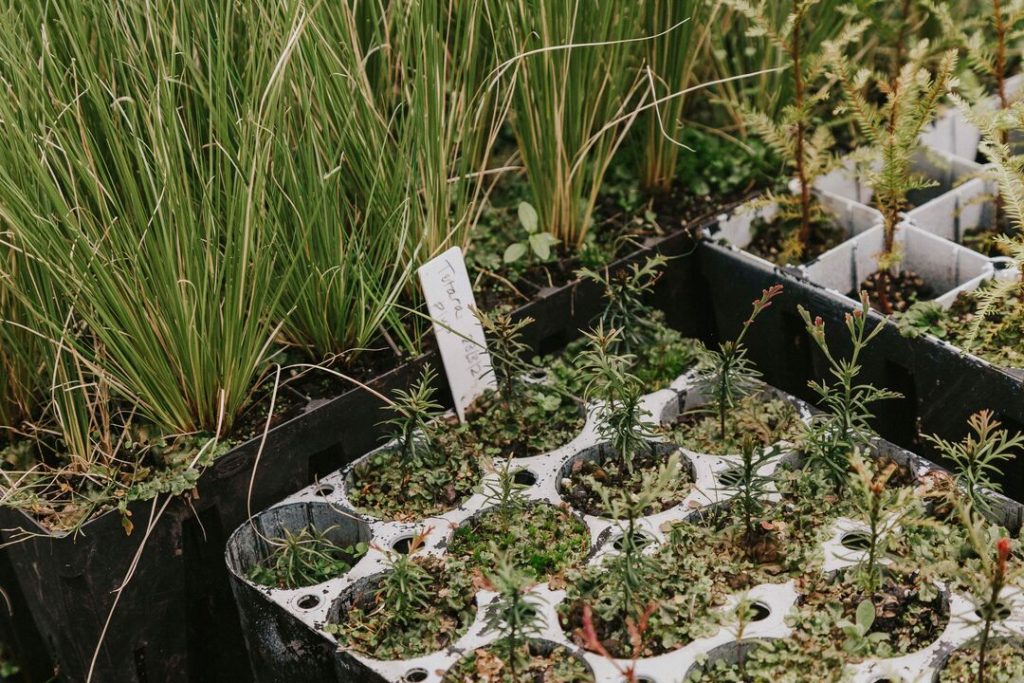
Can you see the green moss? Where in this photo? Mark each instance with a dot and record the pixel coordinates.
(542, 540)
(770, 421)
(1004, 663)
(448, 607)
(537, 665)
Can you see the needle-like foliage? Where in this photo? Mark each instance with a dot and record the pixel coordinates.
(726, 375)
(622, 415)
(512, 615)
(977, 459)
(414, 410)
(893, 128)
(835, 435)
(575, 84)
(625, 309)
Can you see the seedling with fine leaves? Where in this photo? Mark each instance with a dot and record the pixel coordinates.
(621, 416)
(630, 570)
(505, 494)
(625, 309)
(727, 375)
(884, 510)
(414, 410)
(512, 614)
(893, 128)
(507, 350)
(832, 436)
(994, 551)
(405, 590)
(304, 558)
(749, 488)
(976, 459)
(794, 137)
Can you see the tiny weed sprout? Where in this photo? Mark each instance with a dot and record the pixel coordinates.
(413, 412)
(883, 509)
(621, 416)
(834, 435)
(537, 241)
(304, 558)
(625, 309)
(977, 457)
(507, 350)
(893, 128)
(749, 490)
(512, 614)
(987, 582)
(727, 375)
(631, 569)
(793, 136)
(742, 616)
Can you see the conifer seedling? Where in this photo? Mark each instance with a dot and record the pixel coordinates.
(804, 146)
(621, 416)
(833, 435)
(414, 410)
(893, 129)
(726, 375)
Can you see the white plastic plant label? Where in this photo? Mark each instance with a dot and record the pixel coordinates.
(460, 337)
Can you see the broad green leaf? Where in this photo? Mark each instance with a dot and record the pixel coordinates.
(514, 252)
(528, 217)
(865, 614)
(541, 243)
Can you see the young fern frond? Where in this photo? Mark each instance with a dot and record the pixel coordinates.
(792, 137)
(894, 128)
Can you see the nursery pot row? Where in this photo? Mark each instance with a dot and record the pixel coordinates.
(174, 618)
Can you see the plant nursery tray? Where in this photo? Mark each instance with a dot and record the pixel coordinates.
(175, 619)
(285, 628)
